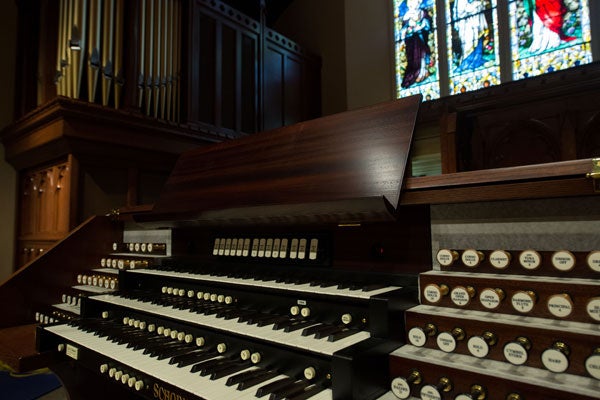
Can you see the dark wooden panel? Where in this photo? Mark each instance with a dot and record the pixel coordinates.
(40, 282)
(355, 155)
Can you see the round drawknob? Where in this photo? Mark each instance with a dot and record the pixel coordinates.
(417, 336)
(500, 259)
(523, 301)
(556, 358)
(310, 373)
(477, 392)
(433, 293)
(516, 352)
(479, 346)
(401, 387)
(294, 310)
(563, 260)
(305, 312)
(530, 259)
(560, 305)
(221, 348)
(491, 298)
(446, 257)
(513, 396)
(431, 392)
(228, 300)
(446, 341)
(472, 258)
(592, 364)
(221, 298)
(461, 295)
(200, 341)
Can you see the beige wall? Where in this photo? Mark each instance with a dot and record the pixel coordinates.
(8, 31)
(354, 39)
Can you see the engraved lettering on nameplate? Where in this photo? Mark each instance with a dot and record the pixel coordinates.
(460, 296)
(515, 353)
(417, 337)
(530, 259)
(478, 347)
(592, 365)
(554, 360)
(522, 302)
(446, 342)
(560, 305)
(430, 392)
(400, 388)
(500, 259)
(490, 299)
(593, 308)
(563, 260)
(72, 351)
(162, 393)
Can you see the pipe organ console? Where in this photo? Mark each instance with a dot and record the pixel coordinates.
(277, 266)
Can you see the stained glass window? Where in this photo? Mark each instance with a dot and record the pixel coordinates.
(416, 48)
(472, 37)
(549, 35)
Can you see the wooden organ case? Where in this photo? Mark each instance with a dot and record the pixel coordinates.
(274, 266)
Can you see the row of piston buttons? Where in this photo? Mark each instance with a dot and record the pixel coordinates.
(106, 282)
(403, 386)
(562, 260)
(50, 319)
(200, 295)
(71, 300)
(559, 305)
(118, 263)
(139, 247)
(555, 358)
(123, 376)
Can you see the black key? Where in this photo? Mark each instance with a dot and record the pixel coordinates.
(232, 380)
(308, 392)
(208, 363)
(342, 334)
(326, 332)
(232, 369)
(271, 387)
(191, 354)
(256, 380)
(216, 367)
(195, 358)
(373, 286)
(298, 325)
(311, 330)
(290, 390)
(274, 320)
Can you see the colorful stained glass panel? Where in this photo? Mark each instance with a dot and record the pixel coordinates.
(472, 38)
(549, 35)
(416, 48)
